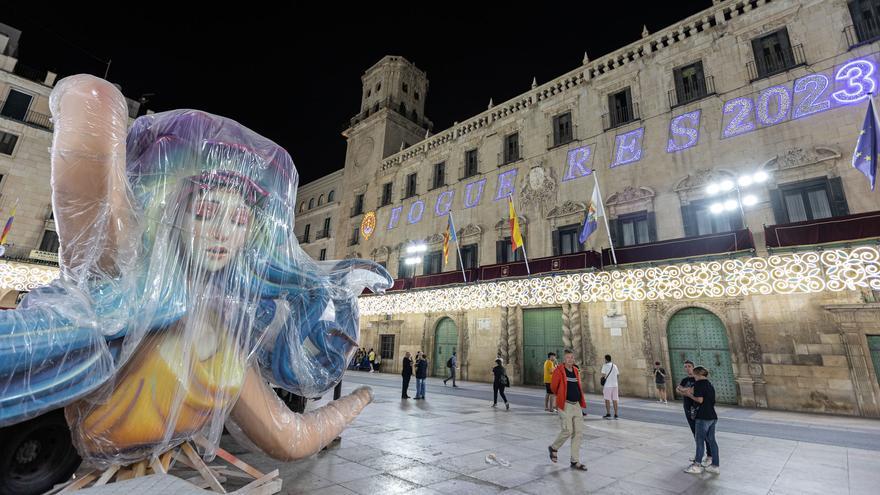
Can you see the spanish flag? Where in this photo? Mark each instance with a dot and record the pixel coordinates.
(8, 226)
(449, 235)
(516, 240)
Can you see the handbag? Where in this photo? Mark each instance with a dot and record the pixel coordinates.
(505, 382)
(602, 380)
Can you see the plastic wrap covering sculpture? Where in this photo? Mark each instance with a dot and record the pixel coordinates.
(183, 290)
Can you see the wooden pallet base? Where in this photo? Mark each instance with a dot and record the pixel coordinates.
(207, 476)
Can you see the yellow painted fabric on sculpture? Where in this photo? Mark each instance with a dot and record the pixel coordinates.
(139, 411)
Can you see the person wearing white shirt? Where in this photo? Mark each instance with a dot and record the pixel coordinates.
(610, 372)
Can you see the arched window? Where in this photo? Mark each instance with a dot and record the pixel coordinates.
(311, 203)
(405, 88)
(302, 205)
(320, 200)
(402, 109)
(330, 196)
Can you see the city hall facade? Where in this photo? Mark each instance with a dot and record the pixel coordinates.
(772, 284)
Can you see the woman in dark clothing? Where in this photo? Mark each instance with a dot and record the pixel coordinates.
(406, 372)
(501, 381)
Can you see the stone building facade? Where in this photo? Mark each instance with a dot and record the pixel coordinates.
(743, 89)
(31, 250)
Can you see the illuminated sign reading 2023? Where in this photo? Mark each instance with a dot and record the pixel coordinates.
(848, 84)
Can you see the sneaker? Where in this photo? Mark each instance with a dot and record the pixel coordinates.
(694, 469)
(495, 405)
(664, 402)
(507, 405)
(607, 416)
(456, 386)
(615, 417)
(707, 461)
(713, 469)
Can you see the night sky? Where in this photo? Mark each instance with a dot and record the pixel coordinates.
(295, 76)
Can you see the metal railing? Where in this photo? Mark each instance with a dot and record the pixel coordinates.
(691, 90)
(620, 116)
(31, 118)
(863, 31)
(322, 234)
(303, 239)
(769, 64)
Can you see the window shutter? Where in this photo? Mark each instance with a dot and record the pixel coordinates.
(652, 227)
(614, 231)
(778, 206)
(679, 86)
(758, 53)
(689, 219)
(556, 249)
(838, 199)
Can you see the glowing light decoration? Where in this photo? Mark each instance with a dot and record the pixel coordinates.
(412, 216)
(684, 131)
(832, 270)
(858, 80)
(811, 90)
(741, 117)
(577, 159)
(781, 99)
(506, 184)
(444, 203)
(394, 218)
(628, 147)
(472, 198)
(368, 225)
(23, 277)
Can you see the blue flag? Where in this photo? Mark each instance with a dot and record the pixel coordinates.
(866, 152)
(591, 222)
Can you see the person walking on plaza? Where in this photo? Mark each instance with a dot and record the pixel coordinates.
(406, 372)
(372, 357)
(452, 363)
(500, 382)
(566, 386)
(687, 385)
(703, 395)
(549, 366)
(660, 382)
(421, 376)
(610, 372)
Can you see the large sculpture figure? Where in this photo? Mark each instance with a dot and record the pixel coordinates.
(183, 290)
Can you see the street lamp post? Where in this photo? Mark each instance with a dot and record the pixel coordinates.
(728, 185)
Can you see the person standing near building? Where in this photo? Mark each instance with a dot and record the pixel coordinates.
(452, 363)
(610, 372)
(372, 357)
(687, 385)
(660, 382)
(421, 376)
(703, 395)
(499, 383)
(549, 367)
(406, 373)
(566, 386)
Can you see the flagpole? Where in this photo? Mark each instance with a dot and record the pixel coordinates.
(525, 256)
(605, 217)
(457, 247)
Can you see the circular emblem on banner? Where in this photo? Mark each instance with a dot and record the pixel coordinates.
(368, 225)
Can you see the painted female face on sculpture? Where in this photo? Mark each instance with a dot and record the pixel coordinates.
(218, 221)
